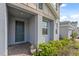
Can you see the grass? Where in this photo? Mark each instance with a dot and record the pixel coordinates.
(75, 50)
(76, 45)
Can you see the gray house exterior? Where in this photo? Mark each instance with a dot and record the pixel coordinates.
(77, 32)
(27, 22)
(66, 28)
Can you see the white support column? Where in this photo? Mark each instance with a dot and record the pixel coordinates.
(39, 38)
(36, 31)
(3, 29)
(56, 26)
(52, 30)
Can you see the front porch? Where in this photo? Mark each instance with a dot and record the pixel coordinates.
(21, 26)
(19, 50)
(25, 27)
(21, 32)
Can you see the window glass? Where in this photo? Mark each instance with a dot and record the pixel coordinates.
(45, 27)
(56, 7)
(45, 24)
(54, 4)
(56, 28)
(44, 31)
(56, 31)
(40, 5)
(56, 25)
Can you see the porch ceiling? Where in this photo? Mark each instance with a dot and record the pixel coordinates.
(19, 13)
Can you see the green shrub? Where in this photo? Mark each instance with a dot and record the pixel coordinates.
(74, 35)
(55, 44)
(65, 42)
(46, 50)
(54, 48)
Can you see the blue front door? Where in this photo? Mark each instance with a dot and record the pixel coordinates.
(19, 31)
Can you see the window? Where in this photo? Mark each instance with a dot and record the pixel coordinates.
(44, 31)
(56, 31)
(56, 25)
(56, 7)
(54, 4)
(45, 28)
(40, 5)
(56, 28)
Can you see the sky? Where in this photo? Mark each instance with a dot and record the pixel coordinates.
(69, 12)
